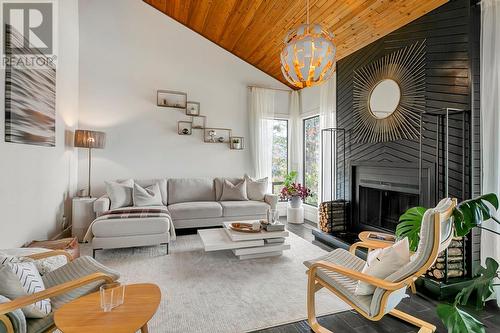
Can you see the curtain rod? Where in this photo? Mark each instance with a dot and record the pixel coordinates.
(279, 89)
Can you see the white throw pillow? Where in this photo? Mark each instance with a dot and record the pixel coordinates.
(120, 193)
(383, 262)
(149, 196)
(21, 279)
(256, 188)
(234, 192)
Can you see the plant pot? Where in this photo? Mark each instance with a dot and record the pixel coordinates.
(296, 202)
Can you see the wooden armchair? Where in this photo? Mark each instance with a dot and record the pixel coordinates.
(340, 270)
(86, 280)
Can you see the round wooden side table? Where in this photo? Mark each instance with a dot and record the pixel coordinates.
(84, 315)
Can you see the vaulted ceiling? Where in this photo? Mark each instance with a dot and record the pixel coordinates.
(254, 29)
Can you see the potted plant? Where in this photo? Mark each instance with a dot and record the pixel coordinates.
(236, 143)
(467, 215)
(294, 192)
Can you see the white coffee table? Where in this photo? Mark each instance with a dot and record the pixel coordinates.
(244, 245)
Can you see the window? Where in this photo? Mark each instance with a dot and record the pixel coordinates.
(280, 153)
(312, 138)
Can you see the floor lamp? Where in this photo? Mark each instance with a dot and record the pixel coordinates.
(90, 140)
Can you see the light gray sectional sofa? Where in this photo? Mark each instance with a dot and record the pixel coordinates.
(191, 203)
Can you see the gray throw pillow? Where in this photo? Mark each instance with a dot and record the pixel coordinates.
(149, 196)
(256, 188)
(120, 193)
(231, 192)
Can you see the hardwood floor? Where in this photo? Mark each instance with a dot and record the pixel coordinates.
(350, 321)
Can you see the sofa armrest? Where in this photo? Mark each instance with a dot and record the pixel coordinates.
(102, 205)
(271, 200)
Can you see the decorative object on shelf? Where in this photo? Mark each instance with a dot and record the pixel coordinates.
(198, 122)
(184, 128)
(90, 140)
(389, 95)
(30, 95)
(237, 142)
(217, 135)
(308, 56)
(171, 99)
(193, 109)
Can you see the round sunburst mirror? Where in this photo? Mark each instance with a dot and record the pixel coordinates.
(384, 98)
(389, 96)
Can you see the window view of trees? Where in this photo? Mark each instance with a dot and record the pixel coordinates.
(280, 153)
(312, 138)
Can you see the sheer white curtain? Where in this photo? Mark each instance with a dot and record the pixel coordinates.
(262, 109)
(296, 134)
(490, 118)
(327, 119)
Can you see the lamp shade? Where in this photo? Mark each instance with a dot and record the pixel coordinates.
(89, 139)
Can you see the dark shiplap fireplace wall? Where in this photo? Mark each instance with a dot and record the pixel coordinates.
(452, 80)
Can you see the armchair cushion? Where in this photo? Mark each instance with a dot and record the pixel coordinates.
(343, 284)
(20, 279)
(78, 268)
(16, 317)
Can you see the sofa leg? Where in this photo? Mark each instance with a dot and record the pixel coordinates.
(166, 245)
(93, 252)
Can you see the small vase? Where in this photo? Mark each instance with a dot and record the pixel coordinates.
(295, 202)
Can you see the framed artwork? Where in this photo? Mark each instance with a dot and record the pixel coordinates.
(199, 122)
(30, 100)
(193, 109)
(217, 135)
(184, 128)
(171, 99)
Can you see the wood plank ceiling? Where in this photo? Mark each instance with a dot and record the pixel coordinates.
(254, 30)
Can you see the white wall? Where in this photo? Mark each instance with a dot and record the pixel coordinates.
(36, 182)
(128, 50)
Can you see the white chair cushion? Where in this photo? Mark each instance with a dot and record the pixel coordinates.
(190, 189)
(383, 262)
(195, 210)
(244, 208)
(130, 227)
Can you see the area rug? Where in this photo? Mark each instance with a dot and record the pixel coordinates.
(214, 292)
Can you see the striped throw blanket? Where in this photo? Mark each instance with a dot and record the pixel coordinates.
(131, 213)
(134, 212)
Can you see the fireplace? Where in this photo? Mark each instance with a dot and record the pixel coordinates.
(382, 192)
(381, 209)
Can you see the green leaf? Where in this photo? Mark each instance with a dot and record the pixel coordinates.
(474, 212)
(409, 226)
(290, 178)
(457, 320)
(482, 285)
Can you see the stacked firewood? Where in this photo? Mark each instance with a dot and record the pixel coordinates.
(455, 261)
(333, 216)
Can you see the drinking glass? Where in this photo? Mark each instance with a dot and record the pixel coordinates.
(111, 295)
(272, 216)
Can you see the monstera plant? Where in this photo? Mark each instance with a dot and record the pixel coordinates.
(467, 215)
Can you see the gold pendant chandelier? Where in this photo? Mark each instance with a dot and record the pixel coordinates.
(308, 56)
